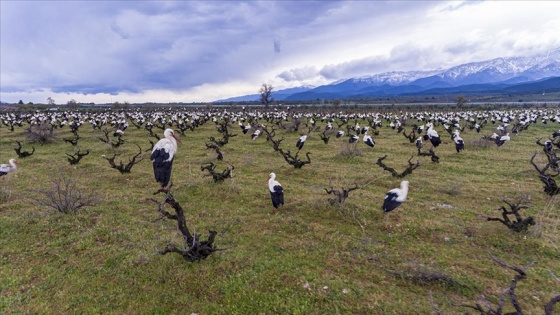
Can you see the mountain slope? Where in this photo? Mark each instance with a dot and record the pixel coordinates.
(499, 75)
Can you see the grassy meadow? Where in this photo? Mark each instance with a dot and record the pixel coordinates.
(306, 258)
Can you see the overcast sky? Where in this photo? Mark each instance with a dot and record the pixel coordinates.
(192, 51)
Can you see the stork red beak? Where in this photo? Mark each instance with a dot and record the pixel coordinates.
(177, 138)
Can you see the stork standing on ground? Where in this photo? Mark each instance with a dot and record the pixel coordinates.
(276, 191)
(8, 168)
(162, 157)
(419, 143)
(369, 141)
(394, 198)
(433, 136)
(255, 134)
(502, 140)
(547, 146)
(301, 142)
(459, 143)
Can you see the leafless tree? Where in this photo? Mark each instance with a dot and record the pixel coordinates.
(266, 94)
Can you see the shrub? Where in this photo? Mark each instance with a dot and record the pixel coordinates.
(64, 196)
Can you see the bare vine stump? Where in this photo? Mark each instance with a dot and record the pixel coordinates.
(340, 195)
(294, 160)
(23, 154)
(121, 167)
(211, 167)
(547, 177)
(75, 158)
(411, 167)
(193, 248)
(519, 224)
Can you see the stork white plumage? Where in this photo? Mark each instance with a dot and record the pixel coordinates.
(502, 139)
(433, 136)
(368, 140)
(244, 128)
(255, 134)
(353, 139)
(547, 146)
(394, 198)
(276, 191)
(8, 168)
(339, 134)
(419, 143)
(301, 142)
(162, 157)
(459, 143)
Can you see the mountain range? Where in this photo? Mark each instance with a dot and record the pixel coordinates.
(511, 75)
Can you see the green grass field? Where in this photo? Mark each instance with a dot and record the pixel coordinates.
(305, 258)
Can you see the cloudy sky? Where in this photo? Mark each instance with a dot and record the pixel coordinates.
(201, 51)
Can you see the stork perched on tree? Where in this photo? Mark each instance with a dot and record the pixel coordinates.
(162, 157)
(8, 168)
(276, 191)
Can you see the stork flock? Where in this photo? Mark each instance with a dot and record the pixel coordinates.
(349, 125)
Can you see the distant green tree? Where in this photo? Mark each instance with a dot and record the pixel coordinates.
(266, 94)
(20, 102)
(50, 101)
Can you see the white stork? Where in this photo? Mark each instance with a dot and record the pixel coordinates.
(432, 134)
(547, 146)
(459, 143)
(339, 134)
(8, 168)
(301, 142)
(255, 134)
(353, 139)
(162, 156)
(502, 140)
(276, 191)
(419, 143)
(369, 141)
(394, 198)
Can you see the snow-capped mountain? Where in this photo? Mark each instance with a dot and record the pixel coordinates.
(480, 76)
